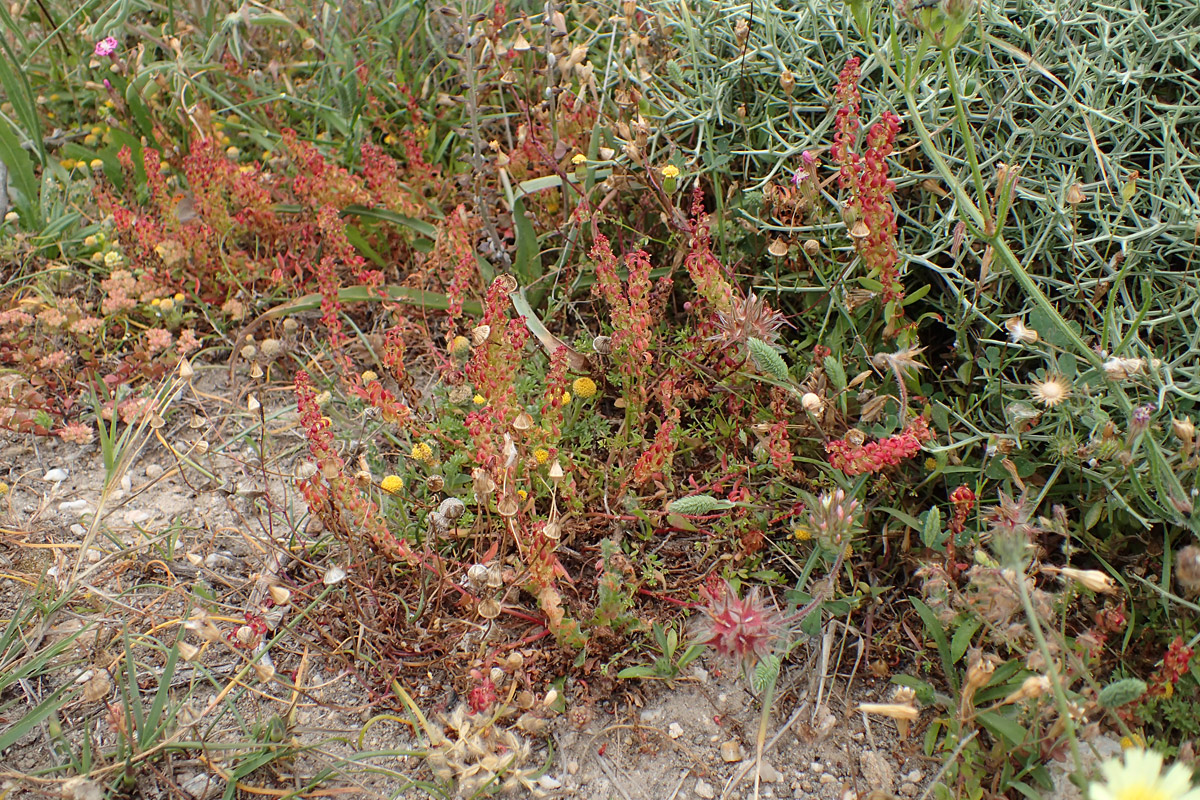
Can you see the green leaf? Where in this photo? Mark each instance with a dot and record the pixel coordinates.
(836, 372)
(1121, 692)
(766, 359)
(25, 724)
(432, 301)
(527, 262)
(962, 638)
(416, 225)
(931, 529)
(934, 627)
(698, 504)
(1003, 726)
(20, 174)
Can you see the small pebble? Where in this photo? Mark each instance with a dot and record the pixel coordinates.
(135, 516)
(549, 783)
(769, 774)
(78, 530)
(915, 776)
(816, 768)
(827, 778)
(731, 752)
(154, 471)
(675, 730)
(94, 555)
(704, 789)
(56, 475)
(75, 506)
(572, 767)
(908, 789)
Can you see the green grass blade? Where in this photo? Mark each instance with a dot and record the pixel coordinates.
(35, 717)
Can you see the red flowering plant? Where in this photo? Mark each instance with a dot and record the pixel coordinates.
(863, 177)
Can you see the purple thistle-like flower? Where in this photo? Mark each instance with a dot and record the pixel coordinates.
(106, 46)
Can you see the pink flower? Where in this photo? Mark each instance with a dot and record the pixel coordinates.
(857, 459)
(158, 339)
(76, 432)
(745, 629)
(106, 46)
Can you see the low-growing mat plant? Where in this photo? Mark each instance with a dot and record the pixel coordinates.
(604, 337)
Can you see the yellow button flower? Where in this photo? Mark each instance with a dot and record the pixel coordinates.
(584, 387)
(478, 399)
(541, 455)
(423, 453)
(392, 484)
(578, 158)
(566, 398)
(670, 171)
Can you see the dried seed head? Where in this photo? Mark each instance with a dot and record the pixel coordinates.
(1018, 333)
(778, 248)
(188, 652)
(249, 351)
(279, 595)
(741, 30)
(507, 507)
(859, 230)
(1075, 194)
(602, 345)
(979, 670)
(185, 369)
(556, 471)
(256, 371)
(489, 608)
(438, 522)
(452, 508)
(480, 334)
(482, 482)
(812, 247)
(787, 82)
(520, 44)
(1033, 686)
(435, 483)
(1092, 579)
(1187, 569)
(812, 402)
(523, 422)
(477, 575)
(1184, 430)
(271, 348)
(1051, 391)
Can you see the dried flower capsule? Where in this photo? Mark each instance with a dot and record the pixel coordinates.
(452, 508)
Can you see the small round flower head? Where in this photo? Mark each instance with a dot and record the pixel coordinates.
(741, 628)
(392, 484)
(584, 387)
(105, 47)
(478, 399)
(541, 455)
(1139, 777)
(670, 171)
(423, 453)
(1051, 391)
(566, 398)
(578, 158)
